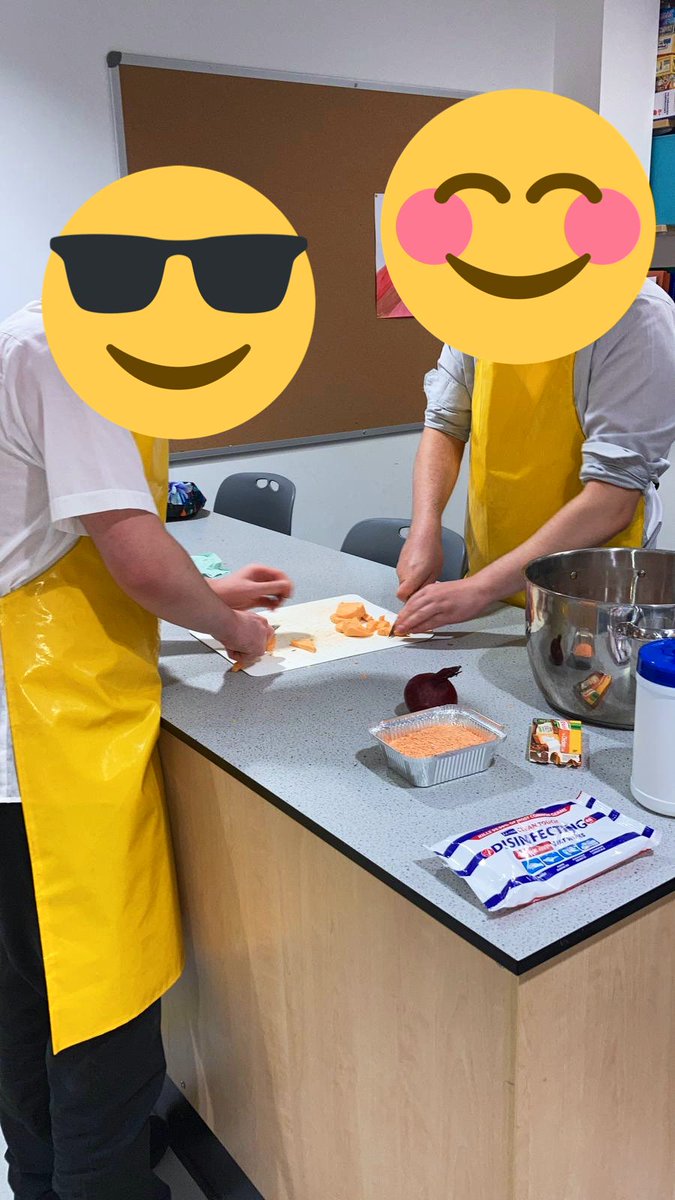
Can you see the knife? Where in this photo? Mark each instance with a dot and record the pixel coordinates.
(435, 636)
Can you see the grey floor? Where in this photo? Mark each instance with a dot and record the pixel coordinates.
(182, 1186)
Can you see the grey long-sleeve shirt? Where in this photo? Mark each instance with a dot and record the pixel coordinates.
(624, 392)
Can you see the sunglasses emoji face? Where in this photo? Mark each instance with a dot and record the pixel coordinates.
(518, 226)
(178, 302)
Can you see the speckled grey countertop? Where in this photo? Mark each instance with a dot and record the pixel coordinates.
(343, 791)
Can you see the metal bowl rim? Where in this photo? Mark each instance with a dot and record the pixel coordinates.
(592, 550)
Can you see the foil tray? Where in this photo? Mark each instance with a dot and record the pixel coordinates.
(440, 768)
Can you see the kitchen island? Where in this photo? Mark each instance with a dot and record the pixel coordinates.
(351, 1024)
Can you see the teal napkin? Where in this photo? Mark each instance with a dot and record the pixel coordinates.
(210, 566)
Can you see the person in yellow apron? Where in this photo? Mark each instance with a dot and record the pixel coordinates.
(89, 922)
(564, 455)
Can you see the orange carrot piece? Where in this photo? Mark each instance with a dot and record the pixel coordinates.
(305, 643)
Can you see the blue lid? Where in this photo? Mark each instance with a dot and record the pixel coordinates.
(656, 662)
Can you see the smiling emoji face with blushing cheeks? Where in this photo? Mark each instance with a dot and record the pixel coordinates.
(178, 302)
(518, 226)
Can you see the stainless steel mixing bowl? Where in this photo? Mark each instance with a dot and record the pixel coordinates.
(588, 613)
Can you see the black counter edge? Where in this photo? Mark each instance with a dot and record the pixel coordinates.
(204, 1157)
(516, 966)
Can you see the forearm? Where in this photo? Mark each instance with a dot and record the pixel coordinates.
(150, 566)
(178, 593)
(592, 518)
(437, 466)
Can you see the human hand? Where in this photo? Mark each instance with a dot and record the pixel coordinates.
(253, 586)
(420, 563)
(442, 604)
(246, 637)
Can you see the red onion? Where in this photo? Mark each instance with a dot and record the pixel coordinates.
(431, 690)
(557, 656)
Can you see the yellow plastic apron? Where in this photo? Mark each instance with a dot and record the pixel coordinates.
(84, 698)
(526, 443)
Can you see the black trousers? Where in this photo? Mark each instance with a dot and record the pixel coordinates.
(76, 1123)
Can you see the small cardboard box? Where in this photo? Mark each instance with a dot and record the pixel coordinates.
(665, 65)
(664, 104)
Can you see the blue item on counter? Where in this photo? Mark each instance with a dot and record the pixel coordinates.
(185, 501)
(656, 662)
(210, 566)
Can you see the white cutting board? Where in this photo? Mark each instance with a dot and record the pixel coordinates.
(298, 620)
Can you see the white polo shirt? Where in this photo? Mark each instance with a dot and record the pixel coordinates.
(59, 460)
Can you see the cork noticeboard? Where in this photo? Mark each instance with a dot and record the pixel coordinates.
(321, 152)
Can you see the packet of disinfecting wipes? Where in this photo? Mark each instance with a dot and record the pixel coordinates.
(545, 853)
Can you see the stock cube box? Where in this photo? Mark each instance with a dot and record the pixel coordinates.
(664, 104)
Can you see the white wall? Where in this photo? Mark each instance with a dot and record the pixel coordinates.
(604, 54)
(629, 39)
(56, 148)
(56, 145)
(577, 50)
(337, 484)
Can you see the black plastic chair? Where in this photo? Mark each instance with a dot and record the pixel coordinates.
(259, 498)
(381, 540)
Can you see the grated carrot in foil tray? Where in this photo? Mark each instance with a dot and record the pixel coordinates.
(437, 739)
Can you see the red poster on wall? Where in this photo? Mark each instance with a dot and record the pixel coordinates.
(388, 303)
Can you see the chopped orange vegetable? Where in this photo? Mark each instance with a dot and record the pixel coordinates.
(305, 643)
(348, 610)
(237, 667)
(352, 620)
(358, 628)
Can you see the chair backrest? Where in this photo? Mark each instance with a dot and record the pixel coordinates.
(381, 540)
(259, 498)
